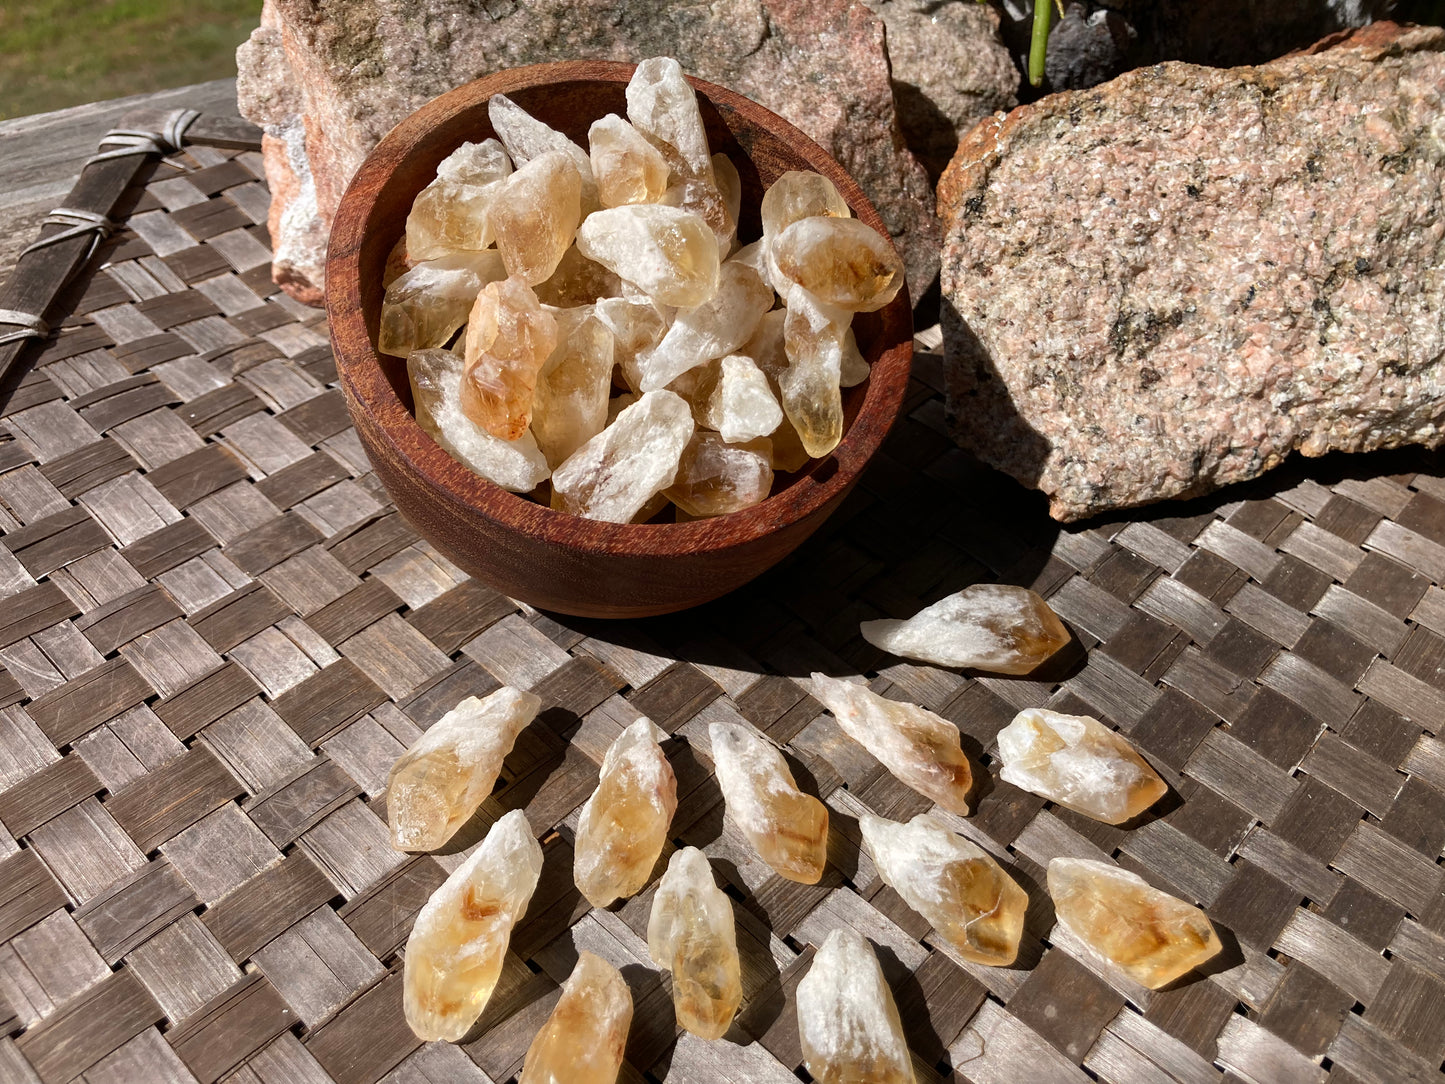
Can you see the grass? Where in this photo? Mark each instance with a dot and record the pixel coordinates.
(58, 53)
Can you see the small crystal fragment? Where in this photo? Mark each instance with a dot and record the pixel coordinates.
(623, 825)
(796, 195)
(853, 368)
(449, 215)
(617, 472)
(476, 163)
(637, 326)
(661, 104)
(1153, 936)
(811, 385)
(1078, 762)
(848, 1023)
(989, 626)
(570, 404)
(527, 138)
(788, 828)
(716, 327)
(953, 883)
(424, 307)
(534, 216)
(577, 281)
(454, 954)
(439, 782)
(583, 1040)
(708, 202)
(436, 389)
(668, 253)
(914, 744)
(629, 169)
(715, 477)
(509, 338)
(741, 406)
(730, 185)
(840, 261)
(788, 451)
(690, 933)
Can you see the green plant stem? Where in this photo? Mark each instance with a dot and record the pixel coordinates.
(1038, 46)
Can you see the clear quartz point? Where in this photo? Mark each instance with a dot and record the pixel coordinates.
(618, 471)
(661, 104)
(691, 934)
(989, 626)
(583, 1040)
(848, 1023)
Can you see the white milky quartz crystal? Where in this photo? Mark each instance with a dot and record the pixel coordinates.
(527, 138)
(1078, 762)
(424, 307)
(811, 384)
(569, 406)
(623, 825)
(917, 746)
(534, 216)
(668, 253)
(848, 1024)
(956, 885)
(629, 169)
(788, 828)
(841, 261)
(439, 782)
(637, 325)
(715, 477)
(716, 327)
(690, 933)
(584, 1039)
(455, 951)
(436, 389)
(618, 471)
(663, 107)
(988, 626)
(742, 406)
(449, 215)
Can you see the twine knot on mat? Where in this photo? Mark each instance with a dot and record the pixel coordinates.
(30, 326)
(121, 142)
(80, 222)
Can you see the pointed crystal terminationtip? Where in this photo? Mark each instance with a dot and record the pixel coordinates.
(691, 934)
(454, 954)
(848, 1024)
(1153, 936)
(1078, 762)
(582, 1041)
(989, 626)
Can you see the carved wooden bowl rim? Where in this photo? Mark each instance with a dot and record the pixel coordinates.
(353, 314)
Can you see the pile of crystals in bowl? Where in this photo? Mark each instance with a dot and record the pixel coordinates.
(617, 340)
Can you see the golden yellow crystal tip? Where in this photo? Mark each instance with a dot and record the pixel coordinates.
(690, 933)
(582, 1041)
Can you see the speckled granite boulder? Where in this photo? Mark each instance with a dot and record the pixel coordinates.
(327, 78)
(1171, 282)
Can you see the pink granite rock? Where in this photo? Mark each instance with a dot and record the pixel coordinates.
(1170, 282)
(329, 78)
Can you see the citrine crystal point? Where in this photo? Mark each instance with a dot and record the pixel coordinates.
(989, 626)
(691, 934)
(848, 1023)
(509, 338)
(811, 383)
(534, 216)
(629, 169)
(1153, 936)
(715, 477)
(455, 951)
(583, 1040)
(1078, 762)
(668, 253)
(423, 307)
(956, 885)
(788, 828)
(840, 261)
(569, 405)
(615, 474)
(662, 105)
(917, 746)
(623, 825)
(439, 782)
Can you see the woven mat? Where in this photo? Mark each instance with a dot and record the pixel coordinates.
(217, 635)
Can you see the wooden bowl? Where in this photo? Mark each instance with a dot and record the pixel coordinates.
(553, 560)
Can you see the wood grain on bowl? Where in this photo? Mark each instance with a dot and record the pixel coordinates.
(550, 559)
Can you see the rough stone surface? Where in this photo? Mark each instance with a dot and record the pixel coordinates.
(327, 80)
(1170, 283)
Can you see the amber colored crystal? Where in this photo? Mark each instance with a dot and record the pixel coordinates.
(989, 626)
(509, 338)
(583, 1040)
(691, 933)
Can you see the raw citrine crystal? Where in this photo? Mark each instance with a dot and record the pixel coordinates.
(730, 185)
(853, 368)
(957, 886)
(718, 326)
(811, 385)
(990, 626)
(690, 933)
(629, 169)
(534, 216)
(449, 215)
(914, 744)
(788, 451)
(741, 406)
(1150, 934)
(1078, 762)
(476, 163)
(715, 477)
(424, 307)
(582, 1041)
(663, 107)
(848, 1024)
(766, 348)
(527, 138)
(704, 199)
(623, 826)
(509, 338)
(619, 470)
(570, 404)
(637, 326)
(796, 195)
(454, 954)
(439, 782)
(668, 253)
(788, 828)
(840, 261)
(577, 281)
(436, 389)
